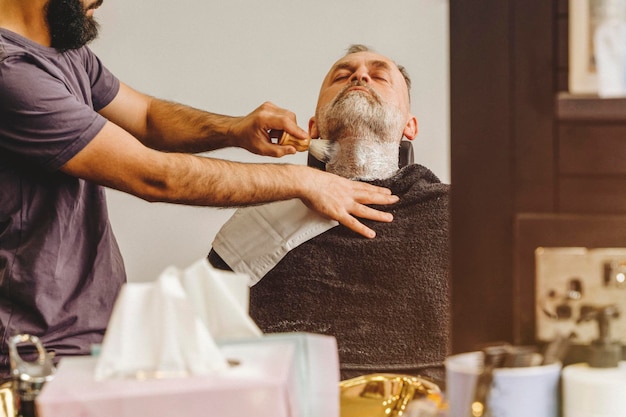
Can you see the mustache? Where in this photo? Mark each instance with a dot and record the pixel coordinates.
(357, 83)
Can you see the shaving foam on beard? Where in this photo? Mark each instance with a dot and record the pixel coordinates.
(362, 124)
(364, 161)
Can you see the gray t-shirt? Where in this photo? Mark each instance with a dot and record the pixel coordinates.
(60, 266)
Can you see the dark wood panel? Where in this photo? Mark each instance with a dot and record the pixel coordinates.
(561, 48)
(480, 113)
(553, 230)
(562, 80)
(592, 195)
(533, 106)
(562, 39)
(592, 149)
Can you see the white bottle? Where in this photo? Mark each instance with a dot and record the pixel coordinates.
(597, 388)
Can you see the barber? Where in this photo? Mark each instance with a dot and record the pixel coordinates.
(69, 128)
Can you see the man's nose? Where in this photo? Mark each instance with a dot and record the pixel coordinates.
(360, 75)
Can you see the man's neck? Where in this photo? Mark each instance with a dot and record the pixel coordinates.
(26, 18)
(365, 158)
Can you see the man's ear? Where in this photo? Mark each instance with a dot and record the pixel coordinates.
(313, 132)
(410, 130)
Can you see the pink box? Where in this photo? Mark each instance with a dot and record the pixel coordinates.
(317, 367)
(264, 384)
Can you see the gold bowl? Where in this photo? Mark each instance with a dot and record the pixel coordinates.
(7, 399)
(390, 395)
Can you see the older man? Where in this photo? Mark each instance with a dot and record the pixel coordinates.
(385, 300)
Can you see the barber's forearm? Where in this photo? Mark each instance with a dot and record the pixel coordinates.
(188, 179)
(165, 125)
(175, 127)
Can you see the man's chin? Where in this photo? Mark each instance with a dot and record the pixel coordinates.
(68, 41)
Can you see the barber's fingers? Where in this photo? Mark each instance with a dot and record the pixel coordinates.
(255, 131)
(251, 132)
(356, 226)
(285, 139)
(364, 212)
(365, 193)
(280, 143)
(337, 211)
(273, 117)
(268, 148)
(376, 196)
(345, 201)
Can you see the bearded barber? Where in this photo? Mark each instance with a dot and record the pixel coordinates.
(68, 128)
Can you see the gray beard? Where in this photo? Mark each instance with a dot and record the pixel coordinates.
(359, 114)
(369, 132)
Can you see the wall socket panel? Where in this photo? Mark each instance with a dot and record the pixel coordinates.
(571, 280)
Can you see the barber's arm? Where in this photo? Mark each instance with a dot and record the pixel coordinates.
(169, 126)
(116, 159)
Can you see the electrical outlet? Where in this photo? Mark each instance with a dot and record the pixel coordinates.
(571, 281)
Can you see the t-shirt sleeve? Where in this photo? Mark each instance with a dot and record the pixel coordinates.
(104, 85)
(45, 122)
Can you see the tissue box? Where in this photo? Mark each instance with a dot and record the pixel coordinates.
(282, 375)
(261, 385)
(316, 368)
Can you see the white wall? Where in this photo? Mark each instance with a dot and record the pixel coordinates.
(230, 56)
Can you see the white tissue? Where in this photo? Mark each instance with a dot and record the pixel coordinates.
(220, 299)
(169, 327)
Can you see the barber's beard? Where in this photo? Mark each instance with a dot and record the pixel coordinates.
(69, 25)
(368, 130)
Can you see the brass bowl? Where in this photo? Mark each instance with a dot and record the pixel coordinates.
(7, 399)
(389, 395)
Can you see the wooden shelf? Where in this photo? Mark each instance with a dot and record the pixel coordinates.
(577, 107)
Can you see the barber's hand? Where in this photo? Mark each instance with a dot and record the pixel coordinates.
(252, 131)
(344, 200)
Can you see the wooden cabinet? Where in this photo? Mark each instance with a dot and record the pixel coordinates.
(531, 164)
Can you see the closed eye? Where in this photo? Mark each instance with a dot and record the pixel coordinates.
(380, 76)
(340, 76)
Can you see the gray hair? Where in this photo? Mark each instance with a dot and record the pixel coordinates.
(353, 49)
